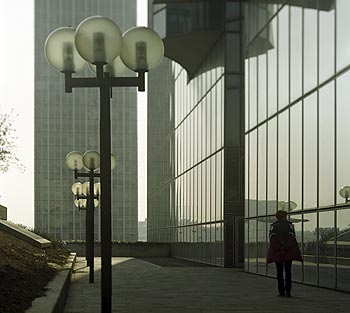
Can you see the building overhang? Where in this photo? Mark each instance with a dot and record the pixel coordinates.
(190, 49)
(189, 30)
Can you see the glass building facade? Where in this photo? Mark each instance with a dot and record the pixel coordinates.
(297, 79)
(68, 122)
(195, 134)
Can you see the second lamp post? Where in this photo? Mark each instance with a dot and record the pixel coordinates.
(87, 194)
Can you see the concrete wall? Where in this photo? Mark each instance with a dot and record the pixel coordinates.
(138, 249)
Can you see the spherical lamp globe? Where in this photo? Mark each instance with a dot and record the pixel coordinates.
(98, 39)
(60, 50)
(143, 49)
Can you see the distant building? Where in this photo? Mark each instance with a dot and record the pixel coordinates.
(67, 122)
(143, 230)
(3, 212)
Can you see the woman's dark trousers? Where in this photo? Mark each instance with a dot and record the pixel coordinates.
(284, 286)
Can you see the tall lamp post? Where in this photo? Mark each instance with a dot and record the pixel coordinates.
(98, 41)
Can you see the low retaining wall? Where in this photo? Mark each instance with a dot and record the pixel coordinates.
(25, 235)
(137, 249)
(57, 290)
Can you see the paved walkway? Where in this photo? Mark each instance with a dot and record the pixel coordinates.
(169, 285)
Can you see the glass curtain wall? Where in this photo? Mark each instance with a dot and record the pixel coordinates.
(187, 154)
(297, 67)
(186, 171)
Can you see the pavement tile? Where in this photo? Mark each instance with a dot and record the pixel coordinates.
(164, 286)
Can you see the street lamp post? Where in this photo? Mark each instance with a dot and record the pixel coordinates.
(98, 41)
(84, 202)
(90, 192)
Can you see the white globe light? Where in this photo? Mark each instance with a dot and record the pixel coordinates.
(80, 203)
(98, 39)
(344, 192)
(97, 189)
(77, 188)
(74, 160)
(143, 49)
(60, 51)
(91, 160)
(86, 188)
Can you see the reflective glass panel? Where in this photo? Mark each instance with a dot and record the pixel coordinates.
(310, 248)
(283, 156)
(262, 170)
(253, 91)
(343, 131)
(252, 173)
(326, 145)
(310, 151)
(297, 270)
(310, 47)
(272, 69)
(262, 83)
(326, 236)
(296, 154)
(261, 245)
(283, 57)
(342, 27)
(272, 167)
(252, 246)
(295, 52)
(326, 44)
(343, 251)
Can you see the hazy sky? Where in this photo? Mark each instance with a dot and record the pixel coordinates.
(17, 93)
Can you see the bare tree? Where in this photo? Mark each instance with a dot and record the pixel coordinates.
(8, 148)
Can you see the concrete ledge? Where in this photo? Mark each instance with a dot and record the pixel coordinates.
(24, 234)
(135, 249)
(55, 297)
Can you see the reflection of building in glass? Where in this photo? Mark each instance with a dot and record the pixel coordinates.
(297, 77)
(195, 134)
(67, 122)
(297, 93)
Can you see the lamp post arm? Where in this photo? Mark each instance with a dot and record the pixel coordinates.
(78, 196)
(77, 174)
(98, 82)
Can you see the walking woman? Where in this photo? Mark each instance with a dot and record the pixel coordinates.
(283, 250)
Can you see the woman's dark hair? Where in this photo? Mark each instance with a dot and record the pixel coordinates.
(281, 214)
